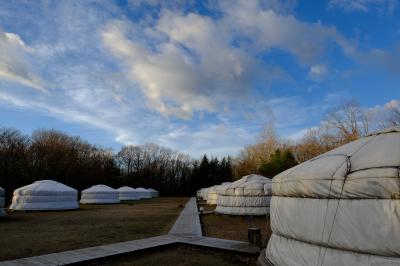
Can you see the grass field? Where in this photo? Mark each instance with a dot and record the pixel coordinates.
(234, 227)
(25, 234)
(178, 256)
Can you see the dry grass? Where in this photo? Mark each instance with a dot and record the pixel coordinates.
(178, 256)
(235, 227)
(25, 234)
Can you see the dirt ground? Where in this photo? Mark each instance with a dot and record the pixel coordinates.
(25, 234)
(235, 227)
(179, 256)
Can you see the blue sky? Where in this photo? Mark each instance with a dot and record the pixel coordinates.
(199, 77)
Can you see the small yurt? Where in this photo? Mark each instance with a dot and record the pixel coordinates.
(143, 193)
(211, 195)
(246, 196)
(127, 193)
(154, 193)
(2, 202)
(99, 194)
(45, 195)
(340, 208)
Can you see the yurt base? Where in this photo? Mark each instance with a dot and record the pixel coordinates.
(262, 260)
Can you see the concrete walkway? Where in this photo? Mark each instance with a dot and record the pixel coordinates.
(186, 230)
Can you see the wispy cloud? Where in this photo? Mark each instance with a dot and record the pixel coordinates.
(381, 6)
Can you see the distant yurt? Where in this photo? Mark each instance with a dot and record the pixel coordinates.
(154, 193)
(127, 193)
(143, 193)
(2, 202)
(246, 196)
(211, 195)
(99, 194)
(45, 195)
(340, 208)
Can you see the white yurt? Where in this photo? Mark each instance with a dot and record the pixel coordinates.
(340, 208)
(99, 194)
(143, 193)
(45, 195)
(246, 196)
(2, 202)
(127, 193)
(211, 195)
(154, 193)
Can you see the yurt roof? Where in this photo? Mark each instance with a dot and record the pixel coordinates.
(99, 189)
(248, 185)
(141, 189)
(126, 189)
(45, 187)
(152, 190)
(369, 156)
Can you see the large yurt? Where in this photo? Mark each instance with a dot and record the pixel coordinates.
(340, 208)
(143, 193)
(154, 193)
(45, 195)
(2, 202)
(246, 196)
(99, 194)
(127, 193)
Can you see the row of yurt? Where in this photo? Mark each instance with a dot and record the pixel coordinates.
(249, 195)
(2, 202)
(340, 208)
(52, 195)
(210, 194)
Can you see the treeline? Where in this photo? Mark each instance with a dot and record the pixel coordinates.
(50, 154)
(348, 122)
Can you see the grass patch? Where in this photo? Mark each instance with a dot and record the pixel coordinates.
(24, 234)
(178, 255)
(234, 227)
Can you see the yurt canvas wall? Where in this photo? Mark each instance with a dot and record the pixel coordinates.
(2, 202)
(143, 193)
(340, 208)
(127, 193)
(211, 195)
(99, 194)
(247, 196)
(45, 195)
(154, 193)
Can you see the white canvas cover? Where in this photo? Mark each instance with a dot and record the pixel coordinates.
(246, 196)
(143, 193)
(2, 201)
(127, 193)
(45, 195)
(99, 194)
(211, 195)
(154, 193)
(340, 208)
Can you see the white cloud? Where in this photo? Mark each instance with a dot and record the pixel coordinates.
(317, 72)
(382, 6)
(185, 63)
(14, 66)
